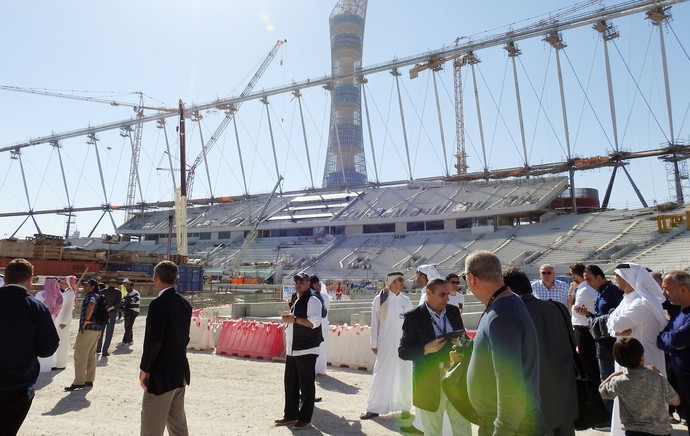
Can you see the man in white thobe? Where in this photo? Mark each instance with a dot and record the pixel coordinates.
(63, 323)
(391, 388)
(320, 288)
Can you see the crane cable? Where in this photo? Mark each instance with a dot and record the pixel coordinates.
(499, 114)
(637, 86)
(43, 176)
(2, 185)
(117, 168)
(421, 123)
(582, 109)
(541, 106)
(387, 134)
(584, 92)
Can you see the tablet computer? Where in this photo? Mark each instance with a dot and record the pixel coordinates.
(452, 335)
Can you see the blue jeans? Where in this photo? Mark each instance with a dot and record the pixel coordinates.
(109, 328)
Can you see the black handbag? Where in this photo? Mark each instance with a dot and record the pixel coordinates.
(599, 330)
(591, 408)
(454, 383)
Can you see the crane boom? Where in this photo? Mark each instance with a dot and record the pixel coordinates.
(252, 234)
(137, 107)
(230, 112)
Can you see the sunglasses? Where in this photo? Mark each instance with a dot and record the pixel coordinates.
(454, 282)
(546, 273)
(464, 275)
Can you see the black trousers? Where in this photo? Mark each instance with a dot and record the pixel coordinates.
(130, 317)
(684, 394)
(588, 352)
(300, 376)
(13, 410)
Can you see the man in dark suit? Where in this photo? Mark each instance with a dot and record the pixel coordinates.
(26, 331)
(164, 366)
(557, 371)
(421, 343)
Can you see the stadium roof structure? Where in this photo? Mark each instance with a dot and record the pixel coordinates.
(414, 201)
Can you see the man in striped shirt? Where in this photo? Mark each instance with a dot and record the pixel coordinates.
(131, 306)
(548, 288)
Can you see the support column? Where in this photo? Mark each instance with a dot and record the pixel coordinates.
(658, 16)
(557, 43)
(471, 60)
(264, 100)
(161, 125)
(17, 154)
(363, 81)
(440, 121)
(396, 74)
(514, 52)
(239, 153)
(94, 141)
(57, 146)
(197, 117)
(608, 33)
(298, 96)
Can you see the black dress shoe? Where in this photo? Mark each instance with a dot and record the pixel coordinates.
(368, 415)
(88, 384)
(71, 388)
(283, 421)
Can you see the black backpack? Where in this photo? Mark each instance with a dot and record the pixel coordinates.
(100, 310)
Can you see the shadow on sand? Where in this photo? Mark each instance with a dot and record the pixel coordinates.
(329, 383)
(71, 402)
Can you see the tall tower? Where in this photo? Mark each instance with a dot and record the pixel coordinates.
(345, 162)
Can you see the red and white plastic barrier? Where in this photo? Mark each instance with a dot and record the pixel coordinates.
(256, 339)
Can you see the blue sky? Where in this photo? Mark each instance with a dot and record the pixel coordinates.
(202, 50)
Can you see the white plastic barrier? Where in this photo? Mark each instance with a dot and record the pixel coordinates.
(350, 346)
(202, 334)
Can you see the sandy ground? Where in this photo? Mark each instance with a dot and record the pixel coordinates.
(227, 396)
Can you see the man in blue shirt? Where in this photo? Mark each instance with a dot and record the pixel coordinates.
(26, 331)
(675, 338)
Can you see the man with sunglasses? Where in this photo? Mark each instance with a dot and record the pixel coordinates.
(423, 343)
(548, 288)
(391, 387)
(455, 297)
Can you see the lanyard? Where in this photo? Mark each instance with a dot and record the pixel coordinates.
(433, 321)
(495, 295)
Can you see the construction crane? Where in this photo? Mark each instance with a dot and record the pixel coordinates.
(230, 110)
(251, 236)
(136, 107)
(127, 130)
